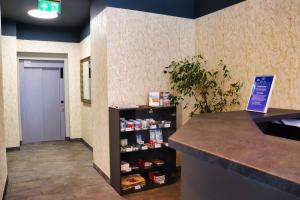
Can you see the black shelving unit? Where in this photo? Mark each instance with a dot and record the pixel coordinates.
(165, 153)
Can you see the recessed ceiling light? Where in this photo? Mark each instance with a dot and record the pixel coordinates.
(42, 14)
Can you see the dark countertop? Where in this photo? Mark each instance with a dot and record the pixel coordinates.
(234, 141)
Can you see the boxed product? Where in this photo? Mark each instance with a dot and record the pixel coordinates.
(124, 142)
(158, 162)
(144, 124)
(158, 136)
(129, 126)
(125, 166)
(157, 177)
(144, 164)
(154, 99)
(165, 98)
(123, 124)
(152, 137)
(135, 181)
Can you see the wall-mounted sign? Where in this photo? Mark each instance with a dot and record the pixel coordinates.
(261, 94)
(50, 6)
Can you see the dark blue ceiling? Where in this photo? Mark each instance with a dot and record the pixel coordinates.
(205, 7)
(75, 13)
(73, 24)
(181, 8)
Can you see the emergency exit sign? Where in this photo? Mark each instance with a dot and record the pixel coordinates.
(50, 6)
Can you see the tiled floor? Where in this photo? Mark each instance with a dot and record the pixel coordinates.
(63, 171)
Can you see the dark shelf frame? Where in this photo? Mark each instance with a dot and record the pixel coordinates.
(168, 154)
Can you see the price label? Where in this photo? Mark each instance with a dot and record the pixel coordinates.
(137, 187)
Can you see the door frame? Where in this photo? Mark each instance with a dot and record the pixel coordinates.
(46, 57)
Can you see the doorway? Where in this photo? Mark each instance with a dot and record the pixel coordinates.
(42, 100)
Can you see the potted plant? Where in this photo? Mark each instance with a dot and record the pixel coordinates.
(210, 90)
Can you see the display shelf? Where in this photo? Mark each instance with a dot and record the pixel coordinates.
(165, 153)
(149, 185)
(142, 130)
(144, 170)
(150, 149)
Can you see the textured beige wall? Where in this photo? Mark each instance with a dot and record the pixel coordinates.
(99, 91)
(10, 91)
(3, 163)
(138, 46)
(257, 37)
(86, 110)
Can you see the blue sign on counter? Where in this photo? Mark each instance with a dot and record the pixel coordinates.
(261, 94)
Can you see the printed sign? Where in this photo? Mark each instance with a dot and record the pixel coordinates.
(50, 6)
(261, 94)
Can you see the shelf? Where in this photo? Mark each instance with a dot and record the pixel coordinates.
(165, 153)
(153, 149)
(149, 185)
(143, 170)
(132, 131)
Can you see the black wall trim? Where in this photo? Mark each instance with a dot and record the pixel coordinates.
(87, 145)
(80, 140)
(75, 139)
(5, 189)
(101, 173)
(10, 149)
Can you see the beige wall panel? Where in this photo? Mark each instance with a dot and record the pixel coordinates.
(256, 37)
(99, 92)
(10, 91)
(3, 163)
(86, 110)
(140, 45)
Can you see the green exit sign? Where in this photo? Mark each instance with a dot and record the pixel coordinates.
(50, 6)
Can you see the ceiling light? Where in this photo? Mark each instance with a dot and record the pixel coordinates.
(42, 14)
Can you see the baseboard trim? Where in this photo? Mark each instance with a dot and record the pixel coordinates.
(82, 141)
(101, 173)
(5, 189)
(87, 145)
(178, 171)
(10, 149)
(75, 139)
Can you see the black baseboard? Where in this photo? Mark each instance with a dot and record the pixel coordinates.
(10, 149)
(178, 171)
(101, 173)
(75, 139)
(5, 189)
(87, 145)
(80, 140)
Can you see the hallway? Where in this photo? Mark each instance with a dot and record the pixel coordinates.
(63, 170)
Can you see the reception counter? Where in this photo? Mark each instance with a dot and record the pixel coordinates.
(228, 156)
